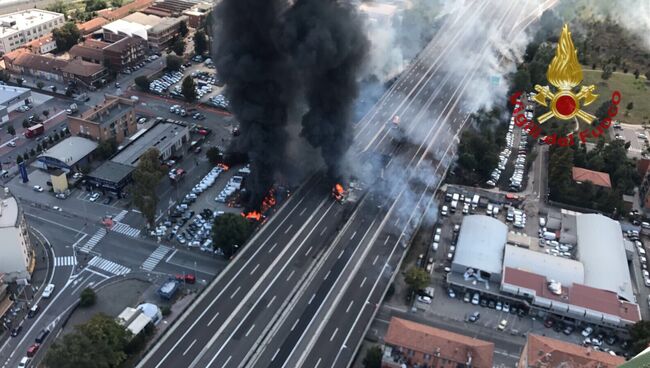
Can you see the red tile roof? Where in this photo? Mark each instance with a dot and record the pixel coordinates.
(125, 10)
(38, 62)
(584, 296)
(427, 339)
(40, 41)
(545, 352)
(83, 68)
(92, 25)
(598, 178)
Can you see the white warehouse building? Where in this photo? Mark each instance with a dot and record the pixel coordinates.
(19, 28)
(17, 260)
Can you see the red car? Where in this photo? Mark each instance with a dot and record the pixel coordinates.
(187, 278)
(32, 350)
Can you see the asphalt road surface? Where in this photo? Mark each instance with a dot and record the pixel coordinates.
(307, 285)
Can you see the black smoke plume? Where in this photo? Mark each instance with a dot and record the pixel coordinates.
(269, 56)
(328, 45)
(258, 85)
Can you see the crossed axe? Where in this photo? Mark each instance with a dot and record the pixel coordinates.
(586, 95)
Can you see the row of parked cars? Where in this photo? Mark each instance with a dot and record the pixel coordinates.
(162, 84)
(220, 101)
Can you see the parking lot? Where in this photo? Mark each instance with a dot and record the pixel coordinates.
(635, 134)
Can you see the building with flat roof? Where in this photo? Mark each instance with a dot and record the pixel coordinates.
(114, 119)
(409, 344)
(11, 98)
(133, 319)
(167, 137)
(19, 28)
(110, 176)
(546, 352)
(120, 28)
(67, 154)
(563, 270)
(17, 261)
(480, 246)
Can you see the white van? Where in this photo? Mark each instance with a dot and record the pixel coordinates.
(49, 289)
(23, 362)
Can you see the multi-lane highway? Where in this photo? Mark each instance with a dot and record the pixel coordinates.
(304, 289)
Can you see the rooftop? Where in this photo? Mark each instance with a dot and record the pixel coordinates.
(92, 25)
(143, 19)
(481, 242)
(602, 252)
(111, 172)
(566, 271)
(427, 339)
(545, 352)
(580, 300)
(159, 136)
(8, 212)
(8, 93)
(124, 10)
(598, 178)
(127, 28)
(15, 22)
(38, 62)
(123, 44)
(83, 68)
(106, 113)
(70, 150)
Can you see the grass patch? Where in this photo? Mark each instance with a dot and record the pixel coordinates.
(632, 90)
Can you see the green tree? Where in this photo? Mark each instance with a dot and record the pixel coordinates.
(145, 178)
(19, 159)
(229, 232)
(66, 36)
(142, 82)
(58, 7)
(94, 5)
(106, 148)
(87, 298)
(98, 343)
(11, 130)
(200, 42)
(40, 85)
(373, 357)
(46, 113)
(607, 72)
(173, 62)
(214, 155)
(25, 123)
(188, 89)
(117, 3)
(182, 29)
(416, 278)
(178, 47)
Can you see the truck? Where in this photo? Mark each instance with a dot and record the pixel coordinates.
(34, 131)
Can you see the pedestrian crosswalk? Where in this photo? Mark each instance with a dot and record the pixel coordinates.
(90, 244)
(65, 261)
(155, 257)
(108, 266)
(125, 229)
(120, 216)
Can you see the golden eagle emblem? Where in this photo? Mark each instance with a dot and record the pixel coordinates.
(565, 74)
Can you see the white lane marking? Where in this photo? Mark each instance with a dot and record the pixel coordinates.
(328, 274)
(353, 235)
(323, 231)
(171, 255)
(255, 269)
(271, 302)
(375, 261)
(308, 250)
(276, 354)
(386, 241)
(227, 360)
(213, 318)
(189, 347)
(318, 363)
(288, 229)
(312, 298)
(295, 324)
(340, 254)
(363, 282)
(291, 274)
(236, 291)
(249, 330)
(334, 334)
(349, 306)
(273, 247)
(303, 211)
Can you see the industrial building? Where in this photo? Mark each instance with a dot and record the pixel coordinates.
(19, 28)
(11, 98)
(17, 261)
(69, 154)
(168, 138)
(575, 290)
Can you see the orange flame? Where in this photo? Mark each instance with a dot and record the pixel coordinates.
(223, 166)
(269, 201)
(253, 215)
(339, 188)
(338, 192)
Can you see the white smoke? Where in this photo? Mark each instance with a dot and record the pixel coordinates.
(633, 15)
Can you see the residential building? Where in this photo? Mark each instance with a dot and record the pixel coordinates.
(546, 352)
(89, 50)
(123, 11)
(43, 45)
(5, 296)
(597, 178)
(125, 53)
(198, 14)
(115, 118)
(588, 282)
(411, 344)
(17, 261)
(19, 28)
(90, 75)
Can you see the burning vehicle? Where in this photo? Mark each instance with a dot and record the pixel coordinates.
(338, 193)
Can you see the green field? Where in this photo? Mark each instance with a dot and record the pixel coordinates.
(632, 90)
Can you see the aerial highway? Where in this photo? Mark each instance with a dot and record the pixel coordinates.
(316, 259)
